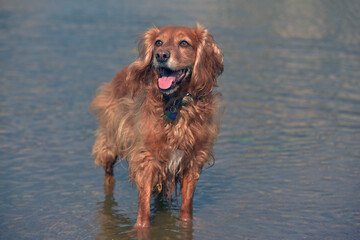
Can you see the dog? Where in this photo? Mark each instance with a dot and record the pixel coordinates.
(161, 114)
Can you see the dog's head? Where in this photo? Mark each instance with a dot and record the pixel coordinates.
(183, 58)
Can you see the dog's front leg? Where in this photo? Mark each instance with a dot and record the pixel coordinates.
(144, 183)
(188, 184)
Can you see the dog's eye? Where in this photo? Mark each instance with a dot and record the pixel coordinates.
(184, 44)
(158, 43)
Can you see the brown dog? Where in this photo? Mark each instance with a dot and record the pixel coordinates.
(160, 114)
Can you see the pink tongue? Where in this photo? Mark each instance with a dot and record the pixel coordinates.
(166, 82)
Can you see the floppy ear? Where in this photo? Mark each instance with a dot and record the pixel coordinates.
(145, 47)
(208, 64)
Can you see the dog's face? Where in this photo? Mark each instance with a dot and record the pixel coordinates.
(183, 58)
(174, 56)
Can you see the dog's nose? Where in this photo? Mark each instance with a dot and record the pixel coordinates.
(162, 55)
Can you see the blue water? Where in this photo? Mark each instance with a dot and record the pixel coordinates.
(288, 157)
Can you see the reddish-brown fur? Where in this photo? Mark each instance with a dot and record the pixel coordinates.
(130, 111)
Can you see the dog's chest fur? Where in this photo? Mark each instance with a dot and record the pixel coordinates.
(174, 161)
(180, 137)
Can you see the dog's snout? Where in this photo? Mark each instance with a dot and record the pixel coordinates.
(162, 55)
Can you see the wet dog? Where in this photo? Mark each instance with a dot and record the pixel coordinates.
(160, 114)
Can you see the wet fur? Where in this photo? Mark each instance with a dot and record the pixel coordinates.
(130, 112)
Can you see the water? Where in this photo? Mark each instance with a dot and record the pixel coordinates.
(288, 157)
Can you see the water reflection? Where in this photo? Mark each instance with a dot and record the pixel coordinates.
(111, 222)
(114, 225)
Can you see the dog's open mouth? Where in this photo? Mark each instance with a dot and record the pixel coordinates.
(169, 79)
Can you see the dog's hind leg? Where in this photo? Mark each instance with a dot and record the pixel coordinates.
(104, 156)
(109, 172)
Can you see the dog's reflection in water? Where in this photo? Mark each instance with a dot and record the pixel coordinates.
(165, 221)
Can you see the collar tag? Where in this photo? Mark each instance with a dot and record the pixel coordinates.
(170, 115)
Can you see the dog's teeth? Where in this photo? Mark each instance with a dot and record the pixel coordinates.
(180, 72)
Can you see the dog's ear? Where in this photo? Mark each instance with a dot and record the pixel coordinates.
(208, 64)
(140, 68)
(146, 46)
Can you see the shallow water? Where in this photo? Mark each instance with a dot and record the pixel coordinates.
(288, 157)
